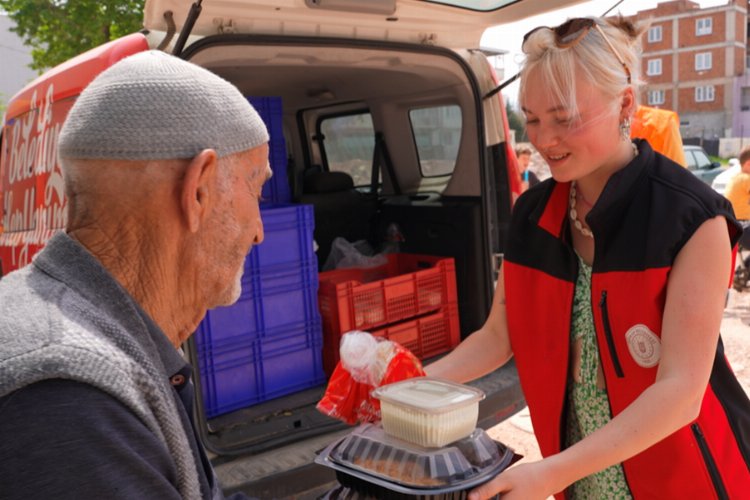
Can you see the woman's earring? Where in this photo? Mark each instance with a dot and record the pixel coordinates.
(625, 129)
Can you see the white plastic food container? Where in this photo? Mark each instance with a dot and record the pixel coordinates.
(427, 411)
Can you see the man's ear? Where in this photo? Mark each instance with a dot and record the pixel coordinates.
(200, 176)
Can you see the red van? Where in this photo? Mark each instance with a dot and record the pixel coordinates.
(390, 92)
(32, 194)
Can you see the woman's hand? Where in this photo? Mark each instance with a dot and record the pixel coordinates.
(527, 481)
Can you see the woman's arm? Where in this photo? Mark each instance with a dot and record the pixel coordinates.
(696, 294)
(483, 351)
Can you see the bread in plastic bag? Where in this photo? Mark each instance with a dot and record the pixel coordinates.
(365, 362)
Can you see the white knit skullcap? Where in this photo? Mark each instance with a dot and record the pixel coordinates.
(154, 106)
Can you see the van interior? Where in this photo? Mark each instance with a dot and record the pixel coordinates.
(382, 140)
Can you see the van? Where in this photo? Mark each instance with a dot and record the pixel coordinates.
(382, 132)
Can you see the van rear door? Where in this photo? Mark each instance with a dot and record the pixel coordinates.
(447, 23)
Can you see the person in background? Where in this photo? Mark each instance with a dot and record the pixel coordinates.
(163, 164)
(661, 128)
(611, 294)
(738, 188)
(528, 178)
(738, 194)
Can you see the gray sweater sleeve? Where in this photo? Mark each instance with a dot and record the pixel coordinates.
(63, 439)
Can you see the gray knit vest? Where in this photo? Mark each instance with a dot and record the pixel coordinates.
(49, 330)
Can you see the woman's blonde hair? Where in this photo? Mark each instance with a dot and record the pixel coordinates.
(590, 56)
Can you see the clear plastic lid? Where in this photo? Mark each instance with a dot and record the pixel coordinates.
(427, 394)
(370, 450)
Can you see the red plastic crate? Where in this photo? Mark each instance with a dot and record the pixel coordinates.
(426, 336)
(407, 287)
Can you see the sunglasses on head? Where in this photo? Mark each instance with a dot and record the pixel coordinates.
(573, 31)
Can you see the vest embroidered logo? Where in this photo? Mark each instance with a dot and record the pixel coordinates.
(644, 345)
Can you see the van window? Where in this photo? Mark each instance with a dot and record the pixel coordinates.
(437, 133)
(348, 144)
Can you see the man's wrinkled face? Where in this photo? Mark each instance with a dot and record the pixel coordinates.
(238, 223)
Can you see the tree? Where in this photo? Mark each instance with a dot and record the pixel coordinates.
(515, 122)
(57, 30)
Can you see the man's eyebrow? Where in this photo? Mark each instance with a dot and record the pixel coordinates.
(266, 173)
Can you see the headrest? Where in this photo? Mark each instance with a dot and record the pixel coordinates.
(327, 182)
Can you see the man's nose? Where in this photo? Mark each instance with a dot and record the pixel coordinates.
(259, 234)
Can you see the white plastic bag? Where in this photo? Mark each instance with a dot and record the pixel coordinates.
(347, 254)
(365, 357)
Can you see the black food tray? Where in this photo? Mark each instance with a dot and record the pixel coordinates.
(358, 484)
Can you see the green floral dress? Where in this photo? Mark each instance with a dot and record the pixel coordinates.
(588, 405)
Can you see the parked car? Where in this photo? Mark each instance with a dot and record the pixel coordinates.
(391, 93)
(700, 164)
(720, 182)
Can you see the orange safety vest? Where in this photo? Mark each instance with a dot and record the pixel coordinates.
(661, 128)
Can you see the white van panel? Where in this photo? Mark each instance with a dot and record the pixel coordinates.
(412, 21)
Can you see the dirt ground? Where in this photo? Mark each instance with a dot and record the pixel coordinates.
(518, 433)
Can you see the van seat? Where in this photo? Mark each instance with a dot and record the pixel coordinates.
(340, 209)
(319, 182)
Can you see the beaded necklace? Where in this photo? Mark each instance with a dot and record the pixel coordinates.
(574, 213)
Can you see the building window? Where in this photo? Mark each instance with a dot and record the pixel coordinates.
(745, 99)
(654, 34)
(654, 67)
(704, 26)
(656, 97)
(705, 94)
(702, 61)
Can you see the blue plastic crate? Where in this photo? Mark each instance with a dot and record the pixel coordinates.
(279, 284)
(269, 343)
(276, 190)
(271, 303)
(238, 374)
(288, 231)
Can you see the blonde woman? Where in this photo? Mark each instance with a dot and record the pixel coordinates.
(611, 296)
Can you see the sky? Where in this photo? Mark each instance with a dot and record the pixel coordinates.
(509, 36)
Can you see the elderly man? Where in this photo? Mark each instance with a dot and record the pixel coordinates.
(164, 164)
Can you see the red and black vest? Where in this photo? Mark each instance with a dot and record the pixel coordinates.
(644, 216)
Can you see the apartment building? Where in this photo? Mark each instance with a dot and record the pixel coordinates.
(695, 62)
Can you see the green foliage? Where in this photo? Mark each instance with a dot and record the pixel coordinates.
(57, 30)
(515, 122)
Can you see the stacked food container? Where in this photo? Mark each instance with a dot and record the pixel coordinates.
(428, 446)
